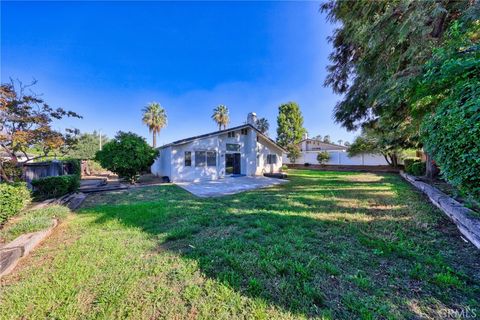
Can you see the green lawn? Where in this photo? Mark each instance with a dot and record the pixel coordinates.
(327, 244)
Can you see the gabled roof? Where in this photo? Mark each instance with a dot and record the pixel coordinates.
(215, 133)
(326, 143)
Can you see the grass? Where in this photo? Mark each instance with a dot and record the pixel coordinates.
(326, 245)
(31, 221)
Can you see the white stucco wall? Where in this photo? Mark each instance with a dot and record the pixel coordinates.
(162, 165)
(171, 162)
(341, 158)
(264, 148)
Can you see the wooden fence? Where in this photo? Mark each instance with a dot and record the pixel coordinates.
(37, 170)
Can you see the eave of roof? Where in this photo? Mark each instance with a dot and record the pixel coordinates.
(332, 144)
(215, 133)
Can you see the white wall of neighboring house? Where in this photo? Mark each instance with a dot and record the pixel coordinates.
(340, 158)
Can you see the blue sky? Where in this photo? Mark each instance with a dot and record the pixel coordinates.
(107, 60)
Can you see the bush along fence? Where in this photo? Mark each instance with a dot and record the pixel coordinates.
(65, 180)
(36, 170)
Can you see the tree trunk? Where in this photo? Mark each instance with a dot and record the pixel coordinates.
(154, 139)
(432, 171)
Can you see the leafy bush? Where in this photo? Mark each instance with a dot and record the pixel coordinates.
(450, 88)
(13, 198)
(408, 162)
(293, 152)
(418, 169)
(284, 168)
(52, 187)
(323, 157)
(127, 155)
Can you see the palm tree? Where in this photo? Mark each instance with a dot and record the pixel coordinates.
(155, 117)
(221, 117)
(262, 125)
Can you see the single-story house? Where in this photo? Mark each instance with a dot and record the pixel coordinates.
(309, 149)
(241, 150)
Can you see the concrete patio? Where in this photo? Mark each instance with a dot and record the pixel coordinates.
(228, 185)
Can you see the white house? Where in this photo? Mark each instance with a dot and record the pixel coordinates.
(242, 150)
(338, 154)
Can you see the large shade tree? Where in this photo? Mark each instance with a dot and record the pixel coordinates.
(380, 48)
(26, 123)
(380, 52)
(221, 116)
(155, 117)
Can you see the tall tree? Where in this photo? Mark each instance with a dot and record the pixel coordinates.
(327, 139)
(263, 125)
(221, 116)
(380, 49)
(87, 145)
(290, 128)
(155, 117)
(26, 122)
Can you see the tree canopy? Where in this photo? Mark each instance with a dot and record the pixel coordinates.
(155, 117)
(127, 155)
(221, 116)
(290, 128)
(380, 49)
(262, 125)
(87, 145)
(26, 123)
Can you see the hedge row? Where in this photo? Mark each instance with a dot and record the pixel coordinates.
(13, 198)
(414, 166)
(52, 187)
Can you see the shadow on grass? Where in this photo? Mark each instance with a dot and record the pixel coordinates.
(314, 246)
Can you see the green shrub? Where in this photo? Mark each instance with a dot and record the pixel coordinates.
(418, 169)
(13, 198)
(52, 187)
(127, 155)
(75, 166)
(323, 157)
(408, 162)
(451, 88)
(284, 168)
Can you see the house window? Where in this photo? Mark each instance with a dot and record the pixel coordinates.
(231, 134)
(200, 158)
(271, 159)
(211, 159)
(233, 147)
(188, 158)
(244, 131)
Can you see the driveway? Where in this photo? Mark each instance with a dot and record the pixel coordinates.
(228, 185)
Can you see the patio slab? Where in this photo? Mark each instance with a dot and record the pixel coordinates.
(228, 185)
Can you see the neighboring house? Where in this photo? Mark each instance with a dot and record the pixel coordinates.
(338, 154)
(241, 150)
